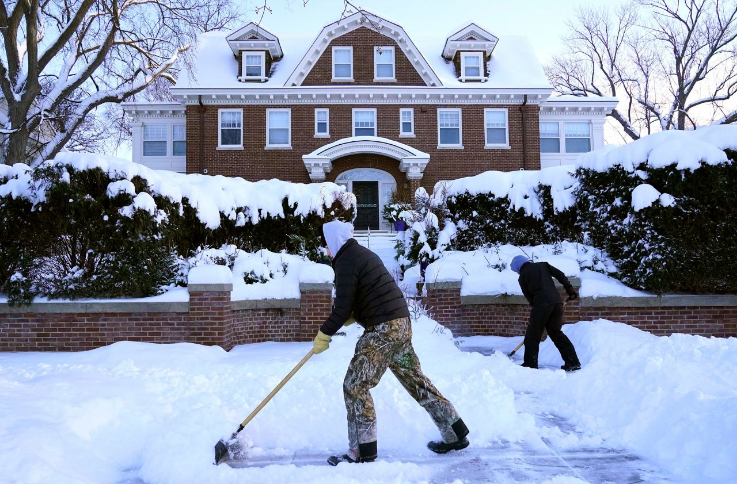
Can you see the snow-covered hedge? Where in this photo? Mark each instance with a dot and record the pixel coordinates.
(664, 208)
(519, 208)
(89, 226)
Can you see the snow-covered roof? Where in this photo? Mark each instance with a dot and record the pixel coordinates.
(472, 37)
(253, 36)
(513, 64)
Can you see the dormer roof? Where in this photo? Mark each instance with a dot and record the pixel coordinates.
(471, 37)
(356, 21)
(254, 37)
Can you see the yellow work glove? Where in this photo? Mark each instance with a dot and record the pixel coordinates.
(321, 343)
(350, 320)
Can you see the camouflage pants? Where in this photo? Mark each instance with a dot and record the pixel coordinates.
(389, 345)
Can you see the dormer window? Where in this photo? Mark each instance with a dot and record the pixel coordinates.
(343, 64)
(472, 66)
(254, 65)
(384, 64)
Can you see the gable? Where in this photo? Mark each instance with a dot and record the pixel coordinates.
(363, 30)
(469, 38)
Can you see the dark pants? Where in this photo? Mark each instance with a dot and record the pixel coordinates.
(547, 317)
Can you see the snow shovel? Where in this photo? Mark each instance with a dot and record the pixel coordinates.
(542, 338)
(222, 448)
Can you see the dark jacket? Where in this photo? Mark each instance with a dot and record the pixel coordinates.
(363, 287)
(536, 281)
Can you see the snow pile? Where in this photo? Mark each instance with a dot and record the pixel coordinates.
(136, 412)
(487, 271)
(519, 186)
(262, 274)
(211, 196)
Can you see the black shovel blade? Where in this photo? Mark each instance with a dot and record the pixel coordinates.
(221, 451)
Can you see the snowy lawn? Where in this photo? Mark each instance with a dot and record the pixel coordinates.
(146, 413)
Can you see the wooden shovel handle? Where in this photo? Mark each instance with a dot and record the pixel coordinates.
(278, 387)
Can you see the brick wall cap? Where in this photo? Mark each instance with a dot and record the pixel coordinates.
(443, 285)
(494, 299)
(315, 286)
(672, 300)
(209, 287)
(210, 274)
(106, 307)
(265, 304)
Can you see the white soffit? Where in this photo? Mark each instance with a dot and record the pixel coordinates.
(254, 37)
(471, 37)
(351, 23)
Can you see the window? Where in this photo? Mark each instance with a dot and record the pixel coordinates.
(472, 66)
(230, 134)
(407, 122)
(322, 123)
(384, 64)
(449, 128)
(179, 137)
(578, 137)
(254, 64)
(364, 122)
(549, 137)
(342, 63)
(278, 128)
(154, 140)
(497, 133)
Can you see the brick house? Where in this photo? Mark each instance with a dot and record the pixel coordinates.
(362, 105)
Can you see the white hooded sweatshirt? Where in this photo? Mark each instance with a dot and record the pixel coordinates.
(337, 233)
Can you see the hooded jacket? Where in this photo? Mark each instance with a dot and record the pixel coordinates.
(536, 282)
(363, 286)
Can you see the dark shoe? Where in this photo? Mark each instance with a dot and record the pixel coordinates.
(445, 447)
(334, 460)
(366, 453)
(529, 365)
(571, 367)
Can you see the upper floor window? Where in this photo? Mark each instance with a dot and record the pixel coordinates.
(407, 122)
(449, 128)
(179, 139)
(549, 137)
(230, 131)
(254, 65)
(472, 65)
(364, 122)
(322, 123)
(278, 128)
(497, 132)
(578, 137)
(384, 64)
(342, 63)
(154, 140)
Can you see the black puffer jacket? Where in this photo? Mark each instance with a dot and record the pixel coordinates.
(363, 287)
(536, 281)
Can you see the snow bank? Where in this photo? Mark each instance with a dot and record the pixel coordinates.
(208, 195)
(487, 271)
(136, 412)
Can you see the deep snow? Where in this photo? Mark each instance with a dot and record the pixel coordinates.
(136, 412)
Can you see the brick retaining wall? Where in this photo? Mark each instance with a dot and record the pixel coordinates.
(508, 315)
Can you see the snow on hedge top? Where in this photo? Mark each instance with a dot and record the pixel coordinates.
(686, 149)
(519, 186)
(209, 195)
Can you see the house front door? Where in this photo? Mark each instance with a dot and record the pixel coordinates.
(367, 204)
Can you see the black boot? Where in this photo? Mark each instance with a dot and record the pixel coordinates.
(571, 367)
(461, 432)
(366, 453)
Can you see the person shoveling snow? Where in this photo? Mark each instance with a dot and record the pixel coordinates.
(536, 281)
(365, 290)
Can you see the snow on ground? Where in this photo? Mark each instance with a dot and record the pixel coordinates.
(147, 413)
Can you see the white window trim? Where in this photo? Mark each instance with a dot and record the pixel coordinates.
(353, 120)
(376, 64)
(262, 76)
(497, 146)
(342, 79)
(460, 129)
(279, 147)
(326, 134)
(411, 134)
(173, 140)
(220, 115)
(464, 55)
(563, 137)
(169, 143)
